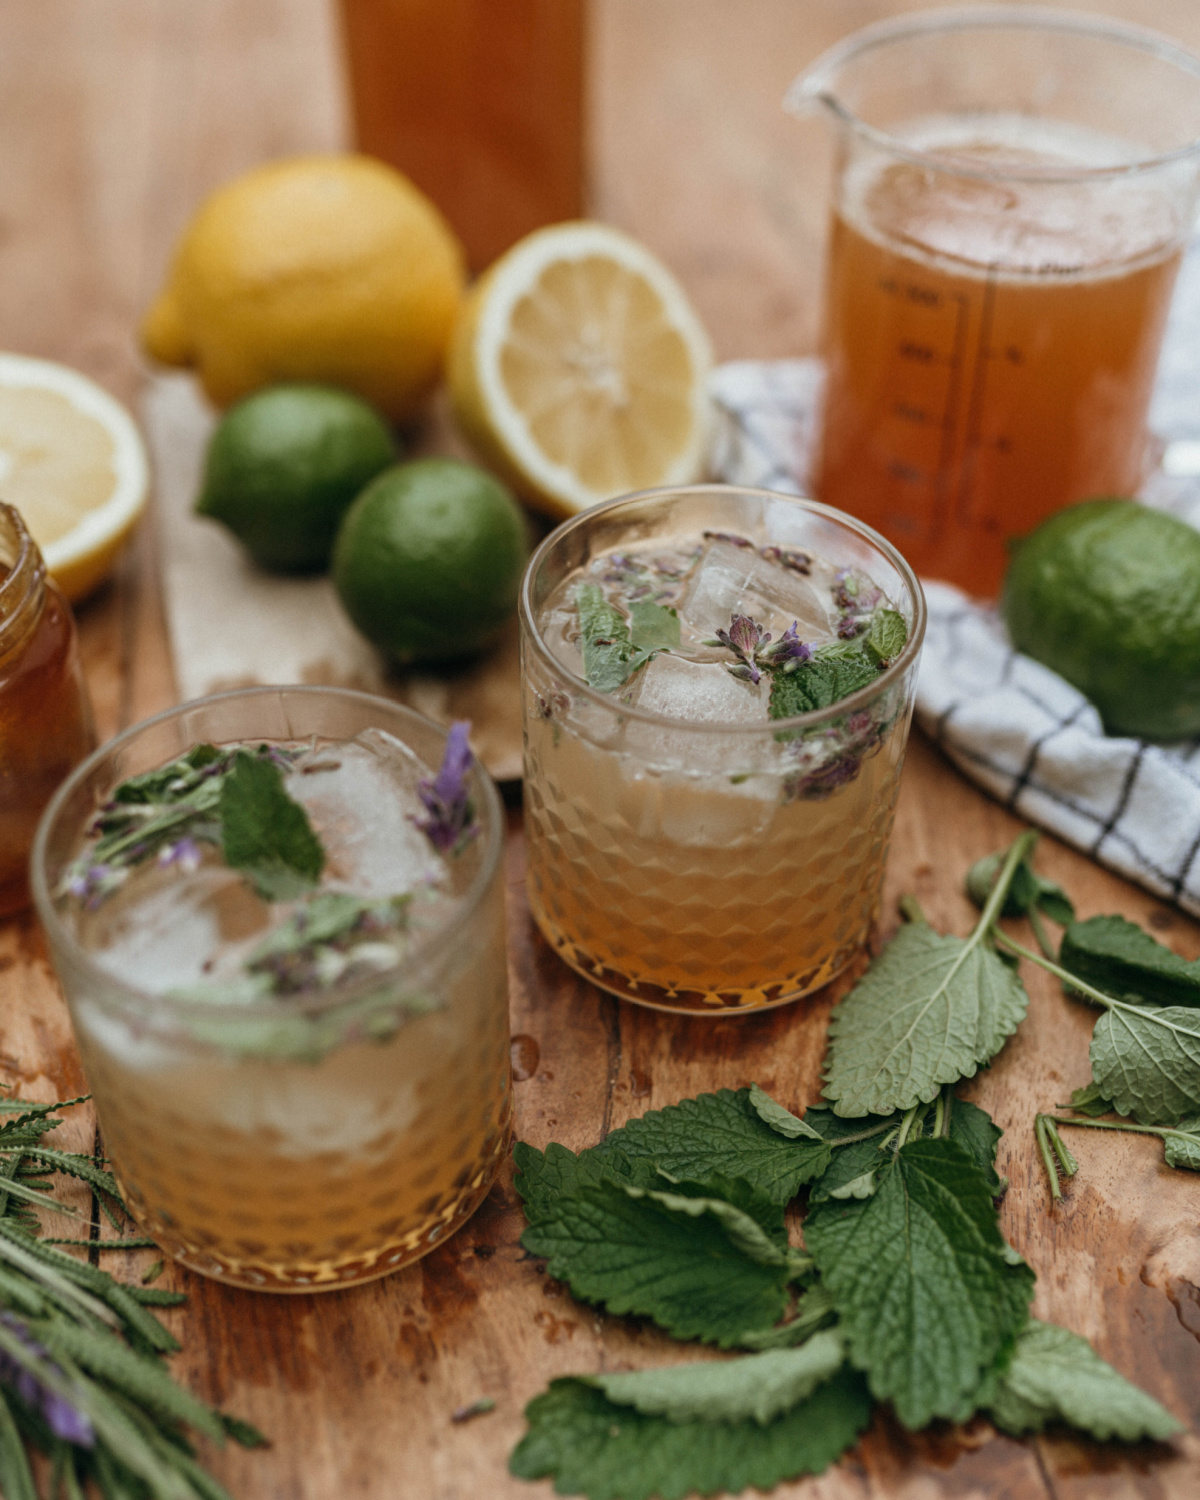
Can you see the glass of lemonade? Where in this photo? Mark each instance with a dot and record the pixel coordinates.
(1013, 191)
(301, 1076)
(707, 820)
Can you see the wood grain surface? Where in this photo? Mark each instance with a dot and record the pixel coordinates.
(114, 120)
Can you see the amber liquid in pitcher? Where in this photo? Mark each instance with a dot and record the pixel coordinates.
(991, 347)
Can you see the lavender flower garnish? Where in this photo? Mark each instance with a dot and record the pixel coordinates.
(791, 558)
(63, 1419)
(450, 823)
(751, 644)
(185, 853)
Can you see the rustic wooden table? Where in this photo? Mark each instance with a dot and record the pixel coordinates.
(114, 121)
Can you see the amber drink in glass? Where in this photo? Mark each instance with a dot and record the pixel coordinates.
(306, 1091)
(686, 850)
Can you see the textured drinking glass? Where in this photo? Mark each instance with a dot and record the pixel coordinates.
(697, 864)
(315, 1140)
(1013, 191)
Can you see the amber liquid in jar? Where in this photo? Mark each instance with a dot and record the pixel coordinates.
(45, 721)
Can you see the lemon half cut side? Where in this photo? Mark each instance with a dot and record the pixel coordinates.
(579, 369)
(73, 463)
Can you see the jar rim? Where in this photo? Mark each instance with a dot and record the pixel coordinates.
(23, 584)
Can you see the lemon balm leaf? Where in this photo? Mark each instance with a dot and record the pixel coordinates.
(929, 1011)
(919, 1276)
(721, 1134)
(1148, 1061)
(701, 1268)
(756, 1387)
(1057, 1376)
(653, 627)
(266, 834)
(1123, 959)
(596, 1447)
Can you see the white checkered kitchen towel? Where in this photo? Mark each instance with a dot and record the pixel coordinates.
(1015, 727)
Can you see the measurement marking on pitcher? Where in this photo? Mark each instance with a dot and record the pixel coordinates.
(941, 499)
(972, 442)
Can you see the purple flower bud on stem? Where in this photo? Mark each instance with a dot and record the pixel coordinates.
(450, 821)
(63, 1419)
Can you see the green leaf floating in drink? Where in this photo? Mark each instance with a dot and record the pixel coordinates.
(614, 647)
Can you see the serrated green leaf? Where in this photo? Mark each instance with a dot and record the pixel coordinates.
(820, 682)
(929, 1011)
(605, 640)
(1027, 891)
(887, 636)
(1148, 1061)
(719, 1134)
(782, 1121)
(976, 1132)
(1054, 1374)
(855, 1149)
(266, 834)
(592, 1446)
(752, 1388)
(744, 1231)
(1090, 1100)
(1181, 1146)
(680, 1261)
(862, 1186)
(814, 1310)
(919, 1278)
(1117, 956)
(653, 628)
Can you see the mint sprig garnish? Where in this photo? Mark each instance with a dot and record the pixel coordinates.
(615, 648)
(166, 814)
(264, 833)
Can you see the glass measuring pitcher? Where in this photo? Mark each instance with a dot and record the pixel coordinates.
(1013, 191)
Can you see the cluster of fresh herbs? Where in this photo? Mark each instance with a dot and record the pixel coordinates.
(232, 798)
(905, 1291)
(235, 800)
(802, 677)
(82, 1373)
(1145, 1048)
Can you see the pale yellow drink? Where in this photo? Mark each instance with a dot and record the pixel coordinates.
(685, 850)
(346, 1122)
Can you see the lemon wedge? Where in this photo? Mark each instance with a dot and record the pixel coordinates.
(73, 463)
(579, 370)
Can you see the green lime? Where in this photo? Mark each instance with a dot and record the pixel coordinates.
(1107, 594)
(284, 465)
(429, 559)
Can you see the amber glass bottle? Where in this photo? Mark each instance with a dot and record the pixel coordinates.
(45, 720)
(480, 102)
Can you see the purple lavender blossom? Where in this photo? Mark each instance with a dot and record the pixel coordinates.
(63, 1419)
(745, 638)
(185, 853)
(728, 536)
(788, 651)
(450, 822)
(791, 558)
(90, 884)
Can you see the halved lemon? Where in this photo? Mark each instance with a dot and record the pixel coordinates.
(73, 463)
(578, 369)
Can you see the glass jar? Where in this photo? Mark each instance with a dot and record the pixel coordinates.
(45, 718)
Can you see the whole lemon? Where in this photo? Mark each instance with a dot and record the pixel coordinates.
(1107, 594)
(330, 268)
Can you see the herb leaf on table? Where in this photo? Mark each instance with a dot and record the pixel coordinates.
(722, 1134)
(757, 1387)
(1121, 958)
(919, 1275)
(930, 1010)
(700, 1267)
(595, 1446)
(1057, 1376)
(265, 833)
